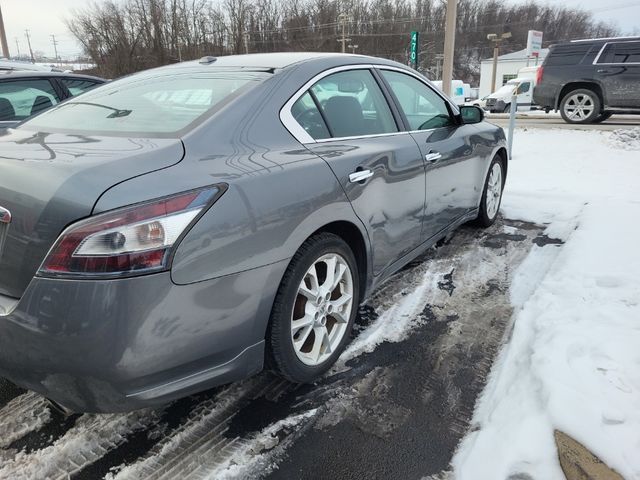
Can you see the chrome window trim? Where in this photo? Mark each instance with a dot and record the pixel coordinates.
(300, 134)
(595, 60)
(372, 135)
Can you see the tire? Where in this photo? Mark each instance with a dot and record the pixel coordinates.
(490, 203)
(580, 106)
(301, 355)
(602, 117)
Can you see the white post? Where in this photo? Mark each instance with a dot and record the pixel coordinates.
(512, 122)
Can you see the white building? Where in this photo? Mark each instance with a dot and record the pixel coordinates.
(508, 66)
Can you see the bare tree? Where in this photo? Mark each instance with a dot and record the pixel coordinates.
(129, 35)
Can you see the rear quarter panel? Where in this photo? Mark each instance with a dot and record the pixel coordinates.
(278, 194)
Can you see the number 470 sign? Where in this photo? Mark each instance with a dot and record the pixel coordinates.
(413, 50)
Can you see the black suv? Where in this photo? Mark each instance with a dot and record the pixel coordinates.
(24, 93)
(589, 80)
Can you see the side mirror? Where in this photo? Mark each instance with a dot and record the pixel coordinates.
(471, 114)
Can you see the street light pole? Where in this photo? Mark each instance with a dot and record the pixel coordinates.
(343, 18)
(497, 40)
(449, 43)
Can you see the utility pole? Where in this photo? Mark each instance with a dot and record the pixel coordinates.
(353, 48)
(26, 34)
(449, 43)
(439, 59)
(246, 43)
(497, 40)
(3, 37)
(17, 47)
(55, 46)
(343, 18)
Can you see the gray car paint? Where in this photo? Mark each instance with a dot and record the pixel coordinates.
(150, 339)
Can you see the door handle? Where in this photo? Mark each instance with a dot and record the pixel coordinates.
(602, 70)
(360, 176)
(433, 156)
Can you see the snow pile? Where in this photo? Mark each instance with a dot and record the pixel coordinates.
(626, 139)
(572, 363)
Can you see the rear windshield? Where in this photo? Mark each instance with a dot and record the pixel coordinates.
(160, 103)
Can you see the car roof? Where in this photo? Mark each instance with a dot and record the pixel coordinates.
(606, 39)
(275, 60)
(38, 74)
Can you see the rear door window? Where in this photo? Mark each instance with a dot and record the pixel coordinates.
(306, 113)
(77, 86)
(353, 104)
(620, 52)
(19, 99)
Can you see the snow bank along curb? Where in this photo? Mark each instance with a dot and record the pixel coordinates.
(572, 361)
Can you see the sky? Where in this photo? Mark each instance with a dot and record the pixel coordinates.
(44, 18)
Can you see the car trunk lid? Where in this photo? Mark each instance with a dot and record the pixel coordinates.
(49, 180)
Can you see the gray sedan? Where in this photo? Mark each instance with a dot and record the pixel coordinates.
(185, 226)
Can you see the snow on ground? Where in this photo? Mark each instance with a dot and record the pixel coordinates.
(573, 362)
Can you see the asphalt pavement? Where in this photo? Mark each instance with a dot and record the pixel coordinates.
(392, 408)
(551, 120)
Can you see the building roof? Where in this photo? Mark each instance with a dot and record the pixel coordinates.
(517, 56)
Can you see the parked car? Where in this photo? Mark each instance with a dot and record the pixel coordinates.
(590, 80)
(175, 229)
(25, 93)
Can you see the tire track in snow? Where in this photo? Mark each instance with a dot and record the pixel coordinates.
(201, 444)
(90, 438)
(24, 414)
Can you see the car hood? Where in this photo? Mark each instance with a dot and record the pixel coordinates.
(49, 180)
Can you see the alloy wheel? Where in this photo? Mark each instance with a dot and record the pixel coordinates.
(579, 106)
(322, 309)
(494, 190)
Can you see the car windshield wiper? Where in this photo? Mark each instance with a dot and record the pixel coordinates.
(117, 112)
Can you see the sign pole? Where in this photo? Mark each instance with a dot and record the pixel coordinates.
(413, 48)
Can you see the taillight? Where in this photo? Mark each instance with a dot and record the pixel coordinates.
(539, 74)
(128, 241)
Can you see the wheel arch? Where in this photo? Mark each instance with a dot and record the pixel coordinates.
(356, 240)
(576, 85)
(504, 159)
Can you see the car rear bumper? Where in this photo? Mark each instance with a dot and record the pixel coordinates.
(117, 345)
(544, 95)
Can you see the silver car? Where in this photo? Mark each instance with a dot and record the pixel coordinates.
(182, 227)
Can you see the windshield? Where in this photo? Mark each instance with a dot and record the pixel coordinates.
(506, 89)
(147, 104)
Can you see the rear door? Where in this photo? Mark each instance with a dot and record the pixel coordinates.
(22, 98)
(379, 166)
(454, 171)
(618, 69)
